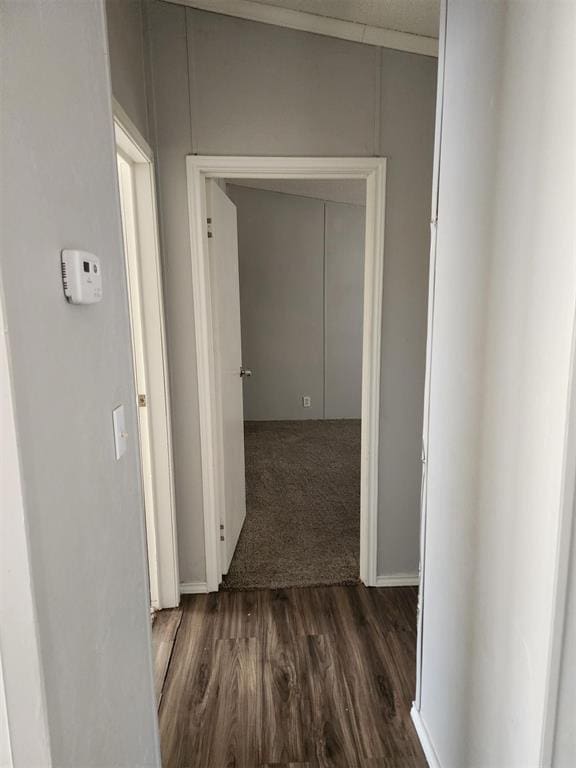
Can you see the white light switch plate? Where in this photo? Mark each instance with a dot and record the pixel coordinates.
(120, 434)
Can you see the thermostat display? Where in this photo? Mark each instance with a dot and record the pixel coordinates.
(81, 277)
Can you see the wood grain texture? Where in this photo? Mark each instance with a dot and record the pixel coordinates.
(315, 677)
(164, 630)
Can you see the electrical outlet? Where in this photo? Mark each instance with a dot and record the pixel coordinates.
(306, 401)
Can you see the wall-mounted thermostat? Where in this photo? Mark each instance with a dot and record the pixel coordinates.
(82, 277)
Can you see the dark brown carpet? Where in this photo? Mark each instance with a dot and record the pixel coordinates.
(302, 505)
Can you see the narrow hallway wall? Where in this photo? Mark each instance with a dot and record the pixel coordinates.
(564, 755)
(505, 301)
(71, 366)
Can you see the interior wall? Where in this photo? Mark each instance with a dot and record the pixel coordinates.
(71, 365)
(127, 51)
(301, 264)
(505, 297)
(344, 235)
(351, 191)
(310, 84)
(564, 751)
(314, 96)
(5, 747)
(281, 259)
(24, 736)
(168, 43)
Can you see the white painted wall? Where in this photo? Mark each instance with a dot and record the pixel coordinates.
(222, 85)
(301, 286)
(504, 311)
(70, 367)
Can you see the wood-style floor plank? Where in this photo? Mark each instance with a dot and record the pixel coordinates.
(164, 630)
(286, 705)
(285, 765)
(228, 731)
(315, 677)
(334, 730)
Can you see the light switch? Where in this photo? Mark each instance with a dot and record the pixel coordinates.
(120, 434)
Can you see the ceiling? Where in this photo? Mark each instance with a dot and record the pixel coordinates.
(406, 25)
(417, 17)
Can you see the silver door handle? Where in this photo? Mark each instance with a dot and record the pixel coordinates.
(245, 372)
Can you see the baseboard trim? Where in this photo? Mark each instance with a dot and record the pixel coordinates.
(193, 588)
(398, 580)
(424, 737)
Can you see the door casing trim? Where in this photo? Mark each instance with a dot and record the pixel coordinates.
(373, 171)
(163, 556)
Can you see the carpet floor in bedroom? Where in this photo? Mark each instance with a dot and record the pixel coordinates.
(302, 505)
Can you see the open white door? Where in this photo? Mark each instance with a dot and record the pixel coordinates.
(223, 240)
(129, 231)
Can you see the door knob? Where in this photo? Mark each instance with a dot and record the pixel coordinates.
(245, 372)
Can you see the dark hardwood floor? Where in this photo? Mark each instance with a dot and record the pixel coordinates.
(305, 677)
(164, 631)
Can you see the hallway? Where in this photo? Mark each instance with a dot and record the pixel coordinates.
(304, 677)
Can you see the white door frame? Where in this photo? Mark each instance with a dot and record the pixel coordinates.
(429, 339)
(161, 523)
(373, 170)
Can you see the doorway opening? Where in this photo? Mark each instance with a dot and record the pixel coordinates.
(146, 309)
(300, 262)
(221, 372)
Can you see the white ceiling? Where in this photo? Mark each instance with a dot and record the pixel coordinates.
(417, 17)
(406, 25)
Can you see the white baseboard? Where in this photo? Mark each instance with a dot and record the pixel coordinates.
(193, 588)
(398, 580)
(422, 731)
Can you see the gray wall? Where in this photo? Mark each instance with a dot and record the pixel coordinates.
(301, 271)
(172, 127)
(351, 191)
(344, 227)
(281, 256)
(5, 746)
(565, 735)
(71, 365)
(501, 357)
(226, 86)
(127, 51)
